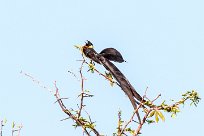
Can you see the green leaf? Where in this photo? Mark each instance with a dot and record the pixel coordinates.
(91, 67)
(161, 115)
(150, 121)
(148, 103)
(86, 91)
(5, 120)
(130, 130)
(156, 117)
(82, 119)
(110, 78)
(13, 124)
(173, 115)
(151, 114)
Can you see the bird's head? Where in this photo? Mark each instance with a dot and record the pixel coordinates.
(88, 44)
(87, 48)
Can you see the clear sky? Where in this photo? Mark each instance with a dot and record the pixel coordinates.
(162, 41)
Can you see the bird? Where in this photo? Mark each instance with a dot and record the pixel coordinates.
(104, 58)
(111, 54)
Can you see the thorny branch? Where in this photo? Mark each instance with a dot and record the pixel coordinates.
(121, 131)
(86, 125)
(82, 90)
(66, 111)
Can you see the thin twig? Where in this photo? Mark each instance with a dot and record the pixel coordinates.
(137, 131)
(19, 130)
(156, 98)
(104, 75)
(72, 73)
(131, 119)
(1, 127)
(65, 119)
(60, 99)
(119, 122)
(37, 82)
(88, 116)
(82, 89)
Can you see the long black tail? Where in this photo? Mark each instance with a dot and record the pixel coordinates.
(121, 79)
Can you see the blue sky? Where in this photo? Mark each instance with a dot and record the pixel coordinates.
(162, 41)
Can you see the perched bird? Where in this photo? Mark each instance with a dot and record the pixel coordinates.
(112, 55)
(104, 58)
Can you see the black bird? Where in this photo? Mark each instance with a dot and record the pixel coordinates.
(103, 58)
(112, 55)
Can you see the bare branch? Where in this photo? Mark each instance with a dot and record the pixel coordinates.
(1, 128)
(37, 82)
(82, 89)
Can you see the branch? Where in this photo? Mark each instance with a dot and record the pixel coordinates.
(76, 118)
(92, 68)
(1, 128)
(82, 89)
(131, 119)
(137, 131)
(66, 111)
